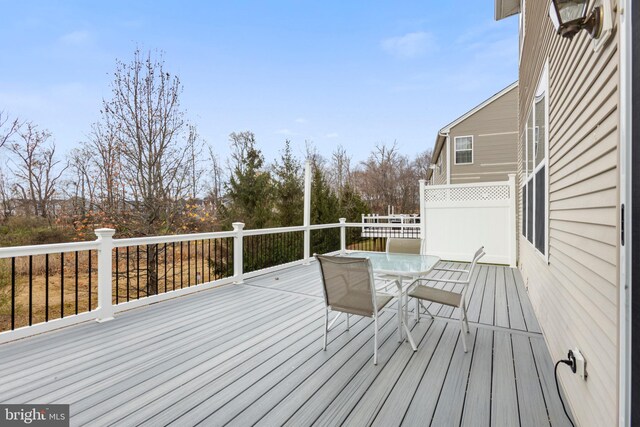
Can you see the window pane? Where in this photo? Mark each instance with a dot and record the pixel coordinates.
(463, 143)
(540, 146)
(529, 158)
(524, 210)
(541, 210)
(530, 210)
(463, 156)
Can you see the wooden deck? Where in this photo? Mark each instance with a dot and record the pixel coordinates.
(251, 355)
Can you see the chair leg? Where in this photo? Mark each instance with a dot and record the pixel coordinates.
(375, 340)
(466, 318)
(417, 313)
(347, 321)
(326, 328)
(462, 332)
(426, 309)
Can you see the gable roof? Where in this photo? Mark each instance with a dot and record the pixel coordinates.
(440, 138)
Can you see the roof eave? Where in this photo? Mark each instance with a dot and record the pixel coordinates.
(505, 8)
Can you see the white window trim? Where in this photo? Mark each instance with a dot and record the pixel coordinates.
(542, 88)
(455, 150)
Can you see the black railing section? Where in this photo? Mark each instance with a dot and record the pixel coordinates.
(268, 250)
(355, 240)
(325, 240)
(144, 270)
(40, 288)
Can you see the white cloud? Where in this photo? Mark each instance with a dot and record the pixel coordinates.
(302, 120)
(411, 45)
(284, 132)
(76, 38)
(332, 135)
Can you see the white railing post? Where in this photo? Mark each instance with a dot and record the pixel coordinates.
(238, 251)
(513, 256)
(343, 236)
(423, 217)
(307, 212)
(105, 286)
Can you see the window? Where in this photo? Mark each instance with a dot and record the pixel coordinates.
(464, 150)
(534, 186)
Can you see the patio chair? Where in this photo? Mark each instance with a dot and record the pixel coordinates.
(404, 246)
(349, 288)
(441, 296)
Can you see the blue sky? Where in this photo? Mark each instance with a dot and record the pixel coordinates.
(351, 73)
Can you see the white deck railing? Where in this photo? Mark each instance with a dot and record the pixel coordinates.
(105, 245)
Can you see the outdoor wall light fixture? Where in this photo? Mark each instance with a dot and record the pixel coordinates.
(570, 16)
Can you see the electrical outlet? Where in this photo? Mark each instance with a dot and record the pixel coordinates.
(580, 364)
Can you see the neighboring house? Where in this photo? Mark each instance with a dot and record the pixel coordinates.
(574, 174)
(481, 145)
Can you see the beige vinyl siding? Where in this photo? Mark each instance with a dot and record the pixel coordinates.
(441, 177)
(575, 295)
(495, 141)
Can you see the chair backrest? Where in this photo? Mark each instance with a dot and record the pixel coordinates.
(476, 257)
(348, 284)
(404, 246)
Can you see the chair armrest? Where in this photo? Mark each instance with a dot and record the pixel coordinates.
(463, 282)
(385, 287)
(455, 270)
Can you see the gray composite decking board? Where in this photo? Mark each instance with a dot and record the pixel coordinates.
(504, 401)
(216, 376)
(217, 350)
(430, 365)
(128, 361)
(527, 308)
(282, 386)
(477, 403)
(501, 304)
(111, 349)
(252, 352)
(210, 400)
(545, 367)
(88, 333)
(516, 316)
(531, 402)
(488, 300)
(333, 402)
(450, 404)
(385, 379)
(475, 303)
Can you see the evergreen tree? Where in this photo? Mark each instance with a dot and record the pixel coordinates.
(249, 190)
(289, 189)
(325, 209)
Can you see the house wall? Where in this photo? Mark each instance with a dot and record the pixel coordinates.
(440, 173)
(575, 294)
(495, 141)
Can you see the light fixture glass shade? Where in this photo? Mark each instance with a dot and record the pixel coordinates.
(571, 10)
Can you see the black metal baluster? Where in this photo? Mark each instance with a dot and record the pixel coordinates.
(188, 263)
(13, 293)
(61, 285)
(117, 280)
(229, 241)
(76, 279)
(46, 288)
(90, 274)
(138, 271)
(202, 279)
(173, 265)
(128, 274)
(196, 266)
(147, 278)
(209, 263)
(214, 263)
(165, 268)
(157, 284)
(30, 290)
(181, 267)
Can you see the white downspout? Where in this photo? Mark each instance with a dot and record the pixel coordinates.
(448, 146)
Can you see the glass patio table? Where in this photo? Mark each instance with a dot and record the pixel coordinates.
(401, 267)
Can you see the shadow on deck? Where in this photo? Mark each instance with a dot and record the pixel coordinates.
(251, 354)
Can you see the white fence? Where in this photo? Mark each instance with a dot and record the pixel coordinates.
(458, 219)
(407, 226)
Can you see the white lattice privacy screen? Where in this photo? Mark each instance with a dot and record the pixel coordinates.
(460, 218)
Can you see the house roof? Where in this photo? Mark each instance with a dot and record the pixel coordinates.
(440, 138)
(506, 8)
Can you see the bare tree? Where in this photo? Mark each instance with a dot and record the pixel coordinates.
(7, 204)
(340, 170)
(216, 181)
(36, 169)
(8, 128)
